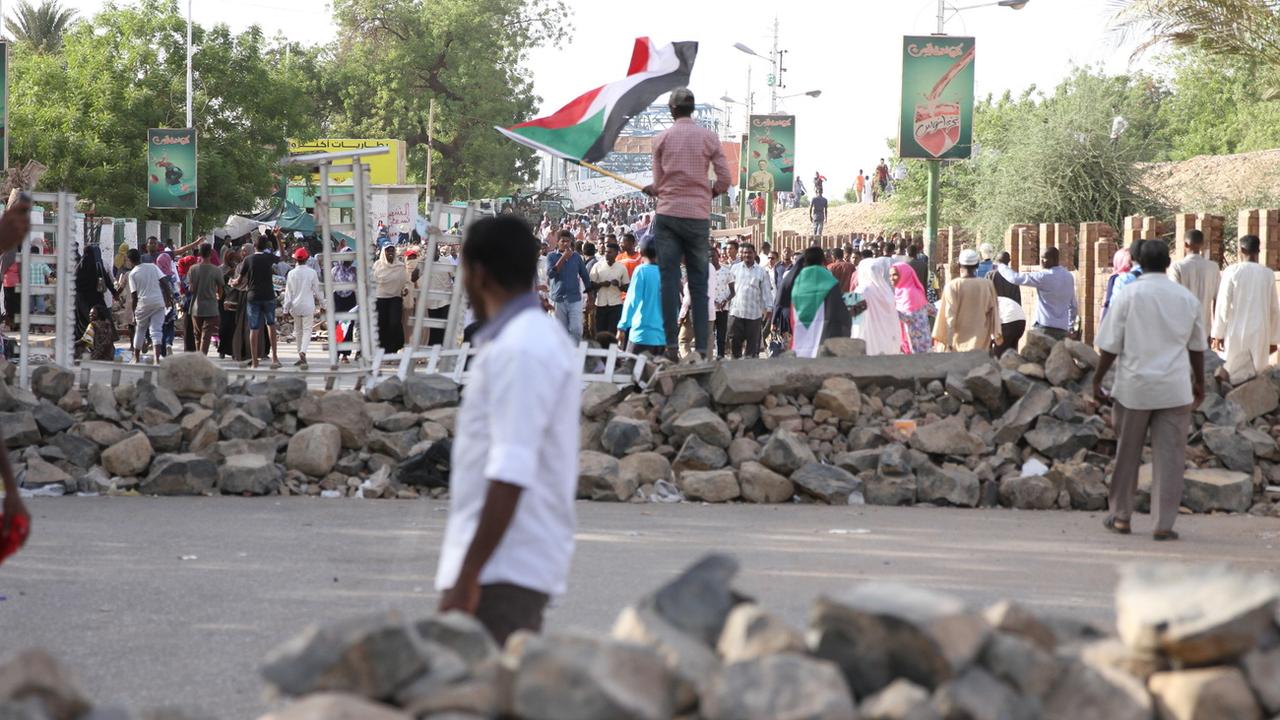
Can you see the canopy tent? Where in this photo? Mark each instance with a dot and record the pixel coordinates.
(287, 217)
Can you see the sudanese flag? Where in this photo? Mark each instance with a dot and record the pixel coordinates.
(586, 128)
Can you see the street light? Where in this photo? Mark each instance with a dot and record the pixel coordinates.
(749, 51)
(811, 93)
(942, 9)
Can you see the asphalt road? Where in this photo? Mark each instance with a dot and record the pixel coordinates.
(173, 601)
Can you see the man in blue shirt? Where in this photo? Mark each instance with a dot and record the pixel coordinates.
(564, 270)
(1055, 294)
(641, 321)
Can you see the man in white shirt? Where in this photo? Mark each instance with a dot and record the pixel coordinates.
(509, 539)
(301, 293)
(1198, 274)
(750, 305)
(1246, 316)
(1154, 334)
(608, 279)
(151, 300)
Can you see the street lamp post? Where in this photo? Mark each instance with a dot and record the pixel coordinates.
(190, 213)
(933, 197)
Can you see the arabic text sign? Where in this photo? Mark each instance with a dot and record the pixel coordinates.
(585, 193)
(386, 169)
(171, 169)
(937, 97)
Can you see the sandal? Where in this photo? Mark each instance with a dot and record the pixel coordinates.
(1162, 535)
(1120, 527)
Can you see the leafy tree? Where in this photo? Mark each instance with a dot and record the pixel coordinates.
(40, 27)
(1216, 108)
(85, 110)
(467, 55)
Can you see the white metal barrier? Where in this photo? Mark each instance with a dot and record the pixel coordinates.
(417, 345)
(62, 315)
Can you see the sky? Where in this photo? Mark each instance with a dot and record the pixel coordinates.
(848, 49)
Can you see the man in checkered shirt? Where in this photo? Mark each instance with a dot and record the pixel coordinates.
(682, 155)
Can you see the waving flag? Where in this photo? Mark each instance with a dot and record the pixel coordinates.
(586, 128)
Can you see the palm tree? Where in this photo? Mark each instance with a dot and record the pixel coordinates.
(41, 27)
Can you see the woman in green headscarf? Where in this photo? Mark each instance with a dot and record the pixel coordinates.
(818, 311)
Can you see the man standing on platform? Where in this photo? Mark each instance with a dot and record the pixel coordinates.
(818, 213)
(1154, 333)
(1246, 319)
(1198, 274)
(1055, 294)
(681, 156)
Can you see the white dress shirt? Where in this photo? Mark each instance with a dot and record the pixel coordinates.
(302, 291)
(518, 424)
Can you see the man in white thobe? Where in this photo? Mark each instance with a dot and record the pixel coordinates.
(1198, 274)
(1246, 319)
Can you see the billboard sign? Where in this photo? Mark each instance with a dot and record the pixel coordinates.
(385, 169)
(171, 169)
(771, 153)
(936, 120)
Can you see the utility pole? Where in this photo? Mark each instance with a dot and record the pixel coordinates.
(191, 214)
(933, 197)
(776, 80)
(431, 127)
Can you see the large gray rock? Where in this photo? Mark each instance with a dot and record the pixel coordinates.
(1262, 668)
(1085, 691)
(281, 392)
(39, 472)
(687, 395)
(1234, 450)
(1060, 368)
(13, 398)
(387, 389)
(1219, 692)
(1256, 398)
(986, 386)
(1085, 483)
(858, 461)
(877, 632)
(839, 396)
(248, 475)
(51, 419)
(185, 474)
(1083, 354)
(644, 468)
(900, 700)
(314, 450)
(1029, 492)
(785, 453)
(710, 485)
(165, 438)
(702, 423)
(19, 429)
(336, 706)
(828, 483)
(751, 632)
(1037, 346)
(131, 456)
(623, 435)
(1210, 489)
(1061, 440)
(1022, 415)
(100, 432)
(950, 484)
(1195, 615)
(599, 397)
(946, 437)
(742, 450)
(396, 445)
(1264, 445)
(239, 425)
(81, 452)
(749, 381)
(264, 447)
(599, 478)
(51, 382)
(976, 694)
(563, 677)
(762, 485)
(191, 375)
(1220, 411)
(780, 687)
(342, 408)
(697, 455)
(890, 489)
(33, 680)
(843, 347)
(428, 392)
(155, 404)
(1025, 666)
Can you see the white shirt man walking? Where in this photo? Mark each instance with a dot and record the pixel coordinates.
(1154, 334)
(1246, 316)
(301, 293)
(1198, 274)
(509, 538)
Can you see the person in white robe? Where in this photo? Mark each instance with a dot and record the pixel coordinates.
(878, 325)
(301, 294)
(1246, 319)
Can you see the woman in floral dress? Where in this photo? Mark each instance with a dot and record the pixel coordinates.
(913, 311)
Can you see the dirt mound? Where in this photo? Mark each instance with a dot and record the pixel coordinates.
(841, 219)
(1220, 183)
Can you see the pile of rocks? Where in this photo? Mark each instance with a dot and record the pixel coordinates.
(192, 433)
(1193, 644)
(953, 429)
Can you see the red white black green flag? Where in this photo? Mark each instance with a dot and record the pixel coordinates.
(586, 128)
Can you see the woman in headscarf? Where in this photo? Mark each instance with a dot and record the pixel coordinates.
(913, 309)
(229, 305)
(782, 321)
(1121, 263)
(92, 283)
(878, 325)
(817, 306)
(164, 261)
(391, 281)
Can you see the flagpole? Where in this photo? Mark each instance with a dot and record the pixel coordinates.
(606, 173)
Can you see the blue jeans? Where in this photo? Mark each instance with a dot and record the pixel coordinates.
(569, 315)
(687, 240)
(261, 312)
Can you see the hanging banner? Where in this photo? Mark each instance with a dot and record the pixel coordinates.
(936, 119)
(585, 193)
(171, 168)
(771, 153)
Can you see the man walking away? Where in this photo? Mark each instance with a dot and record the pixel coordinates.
(564, 269)
(1155, 330)
(1246, 319)
(985, 251)
(749, 306)
(151, 299)
(1013, 320)
(681, 156)
(1198, 274)
(818, 212)
(260, 267)
(509, 538)
(608, 278)
(919, 262)
(968, 315)
(204, 281)
(642, 311)
(842, 270)
(1055, 296)
(301, 293)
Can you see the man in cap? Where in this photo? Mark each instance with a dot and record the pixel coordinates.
(301, 294)
(968, 317)
(681, 156)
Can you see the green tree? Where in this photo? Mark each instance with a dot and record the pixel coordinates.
(42, 26)
(396, 56)
(85, 110)
(1215, 107)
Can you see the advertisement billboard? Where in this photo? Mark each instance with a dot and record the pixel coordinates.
(771, 153)
(171, 169)
(385, 169)
(936, 120)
